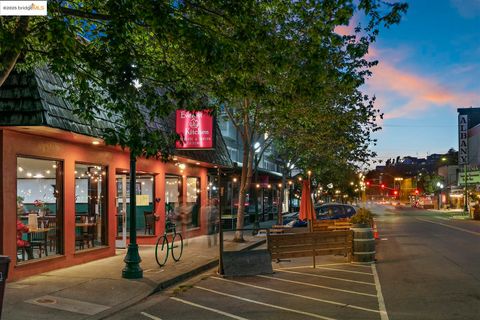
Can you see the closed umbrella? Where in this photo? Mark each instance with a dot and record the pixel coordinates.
(306, 206)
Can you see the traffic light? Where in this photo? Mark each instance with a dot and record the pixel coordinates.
(395, 192)
(416, 191)
(368, 183)
(383, 186)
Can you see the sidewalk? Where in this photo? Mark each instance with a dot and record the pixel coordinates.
(457, 214)
(96, 289)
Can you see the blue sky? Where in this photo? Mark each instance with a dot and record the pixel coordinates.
(429, 65)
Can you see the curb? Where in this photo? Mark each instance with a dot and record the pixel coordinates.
(165, 284)
(209, 265)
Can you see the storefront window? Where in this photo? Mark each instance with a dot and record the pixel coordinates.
(39, 208)
(173, 197)
(90, 206)
(193, 200)
(145, 203)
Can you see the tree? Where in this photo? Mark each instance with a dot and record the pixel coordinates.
(280, 57)
(134, 60)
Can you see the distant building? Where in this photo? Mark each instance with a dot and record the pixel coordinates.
(472, 150)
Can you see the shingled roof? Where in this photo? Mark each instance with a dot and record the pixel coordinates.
(30, 99)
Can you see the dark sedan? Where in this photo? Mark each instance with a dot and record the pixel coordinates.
(328, 211)
(332, 211)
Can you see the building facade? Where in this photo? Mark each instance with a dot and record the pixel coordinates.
(264, 192)
(64, 194)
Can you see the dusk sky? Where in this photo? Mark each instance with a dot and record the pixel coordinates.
(429, 66)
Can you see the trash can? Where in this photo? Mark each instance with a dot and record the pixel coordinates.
(4, 263)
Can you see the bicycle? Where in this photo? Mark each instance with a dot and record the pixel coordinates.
(162, 248)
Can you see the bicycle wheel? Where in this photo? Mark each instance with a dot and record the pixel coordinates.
(161, 250)
(177, 246)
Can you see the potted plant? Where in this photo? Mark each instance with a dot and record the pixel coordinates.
(41, 207)
(363, 218)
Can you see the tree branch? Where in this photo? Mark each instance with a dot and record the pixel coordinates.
(10, 56)
(84, 14)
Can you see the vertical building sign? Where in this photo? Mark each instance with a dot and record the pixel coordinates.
(195, 129)
(463, 139)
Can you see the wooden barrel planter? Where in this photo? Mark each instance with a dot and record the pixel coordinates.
(363, 244)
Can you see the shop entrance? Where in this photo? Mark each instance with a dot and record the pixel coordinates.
(145, 205)
(121, 202)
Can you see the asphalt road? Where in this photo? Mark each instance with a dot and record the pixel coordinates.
(333, 290)
(428, 267)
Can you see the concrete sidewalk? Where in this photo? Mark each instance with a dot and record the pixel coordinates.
(96, 289)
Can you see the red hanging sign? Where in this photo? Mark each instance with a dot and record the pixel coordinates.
(195, 129)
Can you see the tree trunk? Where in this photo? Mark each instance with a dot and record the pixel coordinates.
(10, 56)
(244, 186)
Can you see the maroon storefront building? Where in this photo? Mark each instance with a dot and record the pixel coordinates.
(64, 193)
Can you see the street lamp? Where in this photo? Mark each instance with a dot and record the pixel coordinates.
(256, 224)
(440, 186)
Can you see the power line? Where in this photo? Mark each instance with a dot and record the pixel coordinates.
(418, 126)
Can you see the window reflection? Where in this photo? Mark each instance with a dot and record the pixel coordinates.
(90, 206)
(39, 208)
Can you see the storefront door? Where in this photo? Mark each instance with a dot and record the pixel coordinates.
(121, 241)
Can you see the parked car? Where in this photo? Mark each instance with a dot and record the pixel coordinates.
(328, 211)
(332, 211)
(291, 220)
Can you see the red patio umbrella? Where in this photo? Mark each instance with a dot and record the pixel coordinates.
(306, 206)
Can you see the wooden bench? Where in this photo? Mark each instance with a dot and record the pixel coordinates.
(331, 225)
(310, 244)
(276, 228)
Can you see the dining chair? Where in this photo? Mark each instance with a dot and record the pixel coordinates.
(39, 239)
(89, 235)
(52, 233)
(149, 222)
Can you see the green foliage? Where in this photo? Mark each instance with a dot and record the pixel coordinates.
(135, 59)
(276, 67)
(363, 216)
(428, 183)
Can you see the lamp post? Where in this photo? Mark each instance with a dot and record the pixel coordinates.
(290, 183)
(363, 188)
(220, 223)
(440, 186)
(132, 259)
(256, 224)
(399, 179)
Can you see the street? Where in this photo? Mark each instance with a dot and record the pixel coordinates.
(428, 265)
(335, 290)
(426, 268)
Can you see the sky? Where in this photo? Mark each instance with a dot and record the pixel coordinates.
(429, 65)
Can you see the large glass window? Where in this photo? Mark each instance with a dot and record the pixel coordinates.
(39, 208)
(193, 200)
(173, 197)
(145, 203)
(90, 206)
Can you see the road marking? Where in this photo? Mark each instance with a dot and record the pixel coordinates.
(381, 302)
(209, 309)
(299, 295)
(148, 315)
(451, 227)
(341, 270)
(318, 286)
(313, 315)
(327, 277)
(328, 264)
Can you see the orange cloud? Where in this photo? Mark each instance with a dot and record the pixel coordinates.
(404, 92)
(345, 30)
